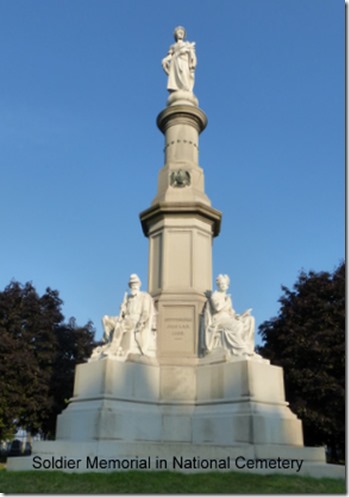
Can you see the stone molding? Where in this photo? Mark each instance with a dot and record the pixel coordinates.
(182, 114)
(162, 210)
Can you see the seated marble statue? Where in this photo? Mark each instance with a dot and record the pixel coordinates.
(223, 327)
(133, 331)
(180, 63)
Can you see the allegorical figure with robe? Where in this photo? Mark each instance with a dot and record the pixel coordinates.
(223, 327)
(180, 63)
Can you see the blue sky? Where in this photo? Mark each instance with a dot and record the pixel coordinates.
(81, 85)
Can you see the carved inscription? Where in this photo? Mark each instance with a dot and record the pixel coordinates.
(178, 327)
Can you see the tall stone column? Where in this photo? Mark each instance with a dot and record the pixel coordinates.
(180, 225)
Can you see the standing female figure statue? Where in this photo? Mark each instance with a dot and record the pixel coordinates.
(180, 63)
(224, 328)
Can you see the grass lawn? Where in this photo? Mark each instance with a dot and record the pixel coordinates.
(164, 482)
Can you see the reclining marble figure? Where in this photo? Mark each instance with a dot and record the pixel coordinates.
(223, 327)
(133, 331)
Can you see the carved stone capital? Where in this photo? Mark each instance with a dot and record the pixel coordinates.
(191, 209)
(182, 114)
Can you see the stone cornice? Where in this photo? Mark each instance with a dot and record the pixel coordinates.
(182, 114)
(161, 210)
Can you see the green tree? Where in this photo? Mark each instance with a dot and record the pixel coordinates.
(24, 336)
(75, 344)
(307, 339)
(33, 339)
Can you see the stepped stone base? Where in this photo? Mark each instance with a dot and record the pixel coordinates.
(208, 415)
(218, 413)
(118, 456)
(225, 403)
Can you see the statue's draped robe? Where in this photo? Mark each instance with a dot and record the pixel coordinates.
(183, 58)
(224, 328)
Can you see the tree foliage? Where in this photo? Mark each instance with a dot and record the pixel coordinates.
(307, 339)
(38, 355)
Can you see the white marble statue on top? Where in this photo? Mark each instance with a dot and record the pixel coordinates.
(223, 327)
(180, 63)
(133, 331)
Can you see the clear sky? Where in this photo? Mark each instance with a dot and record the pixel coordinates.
(81, 86)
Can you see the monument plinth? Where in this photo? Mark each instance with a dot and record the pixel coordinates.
(177, 375)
